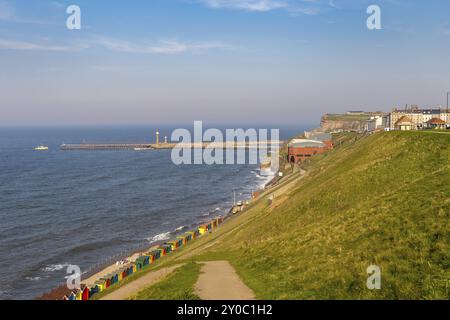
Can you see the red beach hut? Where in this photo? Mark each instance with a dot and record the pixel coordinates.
(85, 293)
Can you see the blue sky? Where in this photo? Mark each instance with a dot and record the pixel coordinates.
(223, 61)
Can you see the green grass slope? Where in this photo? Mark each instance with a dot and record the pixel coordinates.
(382, 200)
(177, 286)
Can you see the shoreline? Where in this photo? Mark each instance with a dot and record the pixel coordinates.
(90, 277)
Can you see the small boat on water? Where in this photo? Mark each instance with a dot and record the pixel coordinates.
(41, 148)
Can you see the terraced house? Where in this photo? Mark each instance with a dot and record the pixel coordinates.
(418, 118)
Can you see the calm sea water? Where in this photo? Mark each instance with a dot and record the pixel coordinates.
(83, 208)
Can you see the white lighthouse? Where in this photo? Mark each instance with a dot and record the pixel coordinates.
(157, 137)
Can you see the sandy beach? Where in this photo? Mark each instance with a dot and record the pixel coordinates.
(113, 267)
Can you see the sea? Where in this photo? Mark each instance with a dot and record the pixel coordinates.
(87, 208)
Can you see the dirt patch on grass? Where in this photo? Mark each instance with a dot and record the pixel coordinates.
(219, 281)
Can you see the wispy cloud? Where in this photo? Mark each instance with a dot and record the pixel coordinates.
(31, 46)
(8, 14)
(250, 5)
(308, 7)
(163, 47)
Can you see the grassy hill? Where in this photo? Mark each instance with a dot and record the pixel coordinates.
(382, 200)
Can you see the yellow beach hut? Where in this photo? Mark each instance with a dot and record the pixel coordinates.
(119, 275)
(203, 229)
(101, 284)
(79, 295)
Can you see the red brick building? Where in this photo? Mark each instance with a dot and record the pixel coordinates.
(301, 149)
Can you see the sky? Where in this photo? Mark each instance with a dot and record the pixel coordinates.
(220, 61)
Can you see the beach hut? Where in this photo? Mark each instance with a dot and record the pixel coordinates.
(123, 273)
(185, 238)
(162, 251)
(106, 280)
(72, 296)
(101, 285)
(202, 229)
(146, 260)
(219, 220)
(167, 247)
(194, 234)
(85, 295)
(151, 257)
(174, 245)
(209, 226)
(66, 298)
(138, 264)
(93, 291)
(157, 254)
(78, 295)
(115, 278)
(119, 275)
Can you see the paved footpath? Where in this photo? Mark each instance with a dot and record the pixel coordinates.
(133, 288)
(219, 281)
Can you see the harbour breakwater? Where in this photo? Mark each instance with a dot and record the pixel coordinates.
(162, 146)
(99, 206)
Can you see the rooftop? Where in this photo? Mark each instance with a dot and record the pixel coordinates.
(321, 136)
(404, 120)
(436, 121)
(305, 143)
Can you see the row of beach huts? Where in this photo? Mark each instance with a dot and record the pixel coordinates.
(142, 262)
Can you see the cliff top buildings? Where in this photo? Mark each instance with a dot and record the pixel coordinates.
(419, 118)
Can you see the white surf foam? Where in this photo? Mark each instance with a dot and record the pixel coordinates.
(55, 267)
(159, 237)
(33, 278)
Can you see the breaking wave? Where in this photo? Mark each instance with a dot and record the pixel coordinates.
(55, 267)
(159, 237)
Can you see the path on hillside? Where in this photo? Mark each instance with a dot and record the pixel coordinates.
(132, 288)
(219, 281)
(280, 193)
